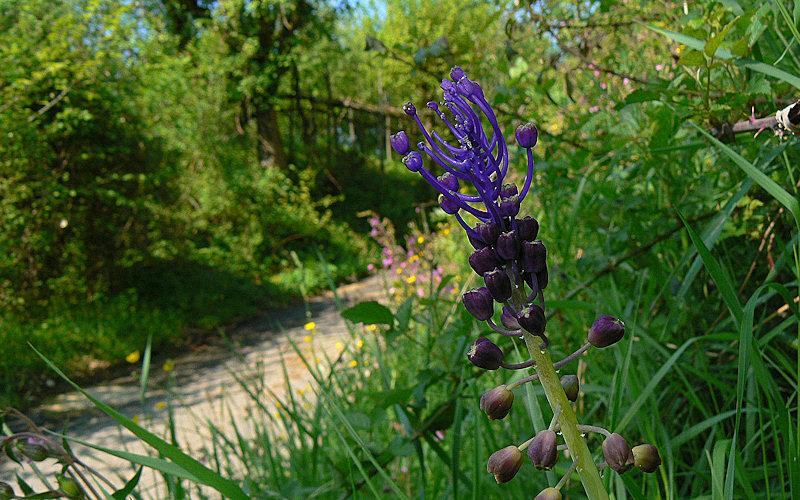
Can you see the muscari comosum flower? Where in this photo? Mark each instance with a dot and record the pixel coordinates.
(508, 256)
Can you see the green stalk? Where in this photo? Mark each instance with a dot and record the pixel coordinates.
(551, 382)
(578, 450)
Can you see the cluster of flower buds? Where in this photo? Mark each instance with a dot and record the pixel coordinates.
(509, 258)
(34, 446)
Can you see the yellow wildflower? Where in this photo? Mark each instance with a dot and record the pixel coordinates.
(445, 232)
(420, 240)
(310, 326)
(353, 363)
(160, 404)
(132, 357)
(371, 328)
(135, 419)
(359, 344)
(307, 339)
(168, 365)
(413, 258)
(411, 280)
(339, 346)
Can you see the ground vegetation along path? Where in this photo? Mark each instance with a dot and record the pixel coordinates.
(199, 385)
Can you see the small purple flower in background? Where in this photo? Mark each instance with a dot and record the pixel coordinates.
(512, 263)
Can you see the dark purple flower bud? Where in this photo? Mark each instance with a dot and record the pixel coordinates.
(542, 278)
(400, 142)
(606, 331)
(457, 73)
(497, 402)
(571, 386)
(484, 260)
(508, 245)
(527, 135)
(505, 463)
(618, 453)
(449, 206)
(476, 243)
(6, 491)
(485, 354)
(509, 320)
(499, 284)
(410, 109)
(413, 161)
(488, 232)
(508, 190)
(449, 181)
(646, 457)
(543, 450)
(528, 228)
(509, 207)
(70, 488)
(479, 303)
(533, 256)
(532, 319)
(549, 494)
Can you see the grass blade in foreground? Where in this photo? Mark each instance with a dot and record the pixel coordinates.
(203, 474)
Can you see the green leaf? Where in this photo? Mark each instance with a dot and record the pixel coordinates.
(369, 313)
(122, 493)
(692, 58)
(770, 186)
(713, 44)
(203, 474)
(25, 487)
(726, 54)
(718, 274)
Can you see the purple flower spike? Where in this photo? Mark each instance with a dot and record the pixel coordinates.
(400, 142)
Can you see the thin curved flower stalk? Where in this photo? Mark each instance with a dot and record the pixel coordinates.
(513, 264)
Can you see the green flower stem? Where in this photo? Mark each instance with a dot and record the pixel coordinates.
(587, 470)
(579, 452)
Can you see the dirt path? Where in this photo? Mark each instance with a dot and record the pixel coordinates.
(200, 387)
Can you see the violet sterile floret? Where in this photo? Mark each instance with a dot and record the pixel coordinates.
(527, 135)
(484, 260)
(400, 142)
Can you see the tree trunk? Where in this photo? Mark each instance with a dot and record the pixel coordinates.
(269, 143)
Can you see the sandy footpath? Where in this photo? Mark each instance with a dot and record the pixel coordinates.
(200, 387)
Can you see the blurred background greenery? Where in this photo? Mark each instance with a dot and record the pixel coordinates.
(162, 161)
